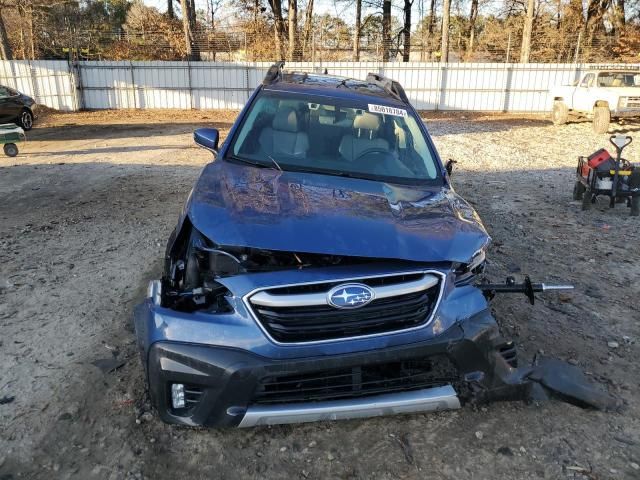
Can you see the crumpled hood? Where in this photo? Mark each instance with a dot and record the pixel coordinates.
(237, 205)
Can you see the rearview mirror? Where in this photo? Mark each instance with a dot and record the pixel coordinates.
(207, 138)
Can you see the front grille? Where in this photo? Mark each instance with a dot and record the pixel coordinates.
(308, 323)
(361, 381)
(633, 102)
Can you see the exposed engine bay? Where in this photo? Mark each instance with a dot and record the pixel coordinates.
(194, 264)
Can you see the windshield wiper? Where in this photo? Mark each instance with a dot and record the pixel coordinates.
(337, 173)
(275, 163)
(254, 163)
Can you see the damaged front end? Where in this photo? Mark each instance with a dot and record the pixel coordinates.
(194, 266)
(239, 336)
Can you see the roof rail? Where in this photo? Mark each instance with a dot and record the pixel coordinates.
(612, 67)
(274, 73)
(391, 86)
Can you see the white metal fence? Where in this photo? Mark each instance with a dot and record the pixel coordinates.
(499, 87)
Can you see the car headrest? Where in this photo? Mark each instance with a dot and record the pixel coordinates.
(286, 120)
(367, 121)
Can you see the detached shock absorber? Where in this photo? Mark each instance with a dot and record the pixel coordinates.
(527, 287)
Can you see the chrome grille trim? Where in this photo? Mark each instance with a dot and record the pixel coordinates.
(438, 274)
(267, 299)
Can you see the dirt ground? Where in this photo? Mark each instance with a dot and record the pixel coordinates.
(85, 211)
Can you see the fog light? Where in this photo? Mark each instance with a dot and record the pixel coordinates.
(177, 395)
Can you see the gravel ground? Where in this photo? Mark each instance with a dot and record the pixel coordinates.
(87, 208)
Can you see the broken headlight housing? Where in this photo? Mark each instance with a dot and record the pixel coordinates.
(467, 272)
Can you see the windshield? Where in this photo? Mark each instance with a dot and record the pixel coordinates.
(619, 79)
(334, 136)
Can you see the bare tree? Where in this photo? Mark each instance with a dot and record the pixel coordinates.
(525, 50)
(170, 12)
(473, 16)
(357, 31)
(386, 29)
(308, 25)
(293, 30)
(432, 16)
(619, 19)
(278, 27)
(5, 47)
(406, 53)
(188, 25)
(444, 44)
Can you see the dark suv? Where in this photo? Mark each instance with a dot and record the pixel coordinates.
(322, 268)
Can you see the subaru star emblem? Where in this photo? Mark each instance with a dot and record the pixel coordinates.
(350, 295)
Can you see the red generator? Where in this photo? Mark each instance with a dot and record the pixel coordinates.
(600, 174)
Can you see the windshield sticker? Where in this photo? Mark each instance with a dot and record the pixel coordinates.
(396, 112)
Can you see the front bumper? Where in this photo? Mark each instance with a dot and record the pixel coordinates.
(626, 113)
(226, 379)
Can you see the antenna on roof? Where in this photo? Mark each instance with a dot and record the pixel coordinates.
(274, 73)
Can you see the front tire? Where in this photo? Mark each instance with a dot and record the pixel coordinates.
(560, 113)
(586, 199)
(601, 119)
(26, 120)
(10, 149)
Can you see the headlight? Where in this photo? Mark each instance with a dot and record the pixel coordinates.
(466, 272)
(622, 102)
(477, 260)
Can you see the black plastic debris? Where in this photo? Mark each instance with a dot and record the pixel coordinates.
(6, 400)
(108, 365)
(570, 384)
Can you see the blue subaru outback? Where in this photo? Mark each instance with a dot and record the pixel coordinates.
(323, 268)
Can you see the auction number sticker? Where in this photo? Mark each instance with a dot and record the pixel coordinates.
(396, 112)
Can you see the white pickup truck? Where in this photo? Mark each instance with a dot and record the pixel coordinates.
(601, 94)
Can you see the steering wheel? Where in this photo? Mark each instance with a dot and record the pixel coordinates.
(372, 151)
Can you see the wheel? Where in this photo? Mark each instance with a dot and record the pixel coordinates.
(10, 149)
(578, 190)
(601, 119)
(26, 120)
(560, 113)
(634, 182)
(586, 199)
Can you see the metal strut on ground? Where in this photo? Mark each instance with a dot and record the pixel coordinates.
(527, 287)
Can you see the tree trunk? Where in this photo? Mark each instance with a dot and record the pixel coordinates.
(386, 30)
(293, 30)
(193, 53)
(308, 25)
(407, 30)
(278, 27)
(525, 51)
(473, 16)
(170, 12)
(444, 45)
(432, 16)
(618, 17)
(5, 48)
(32, 38)
(357, 32)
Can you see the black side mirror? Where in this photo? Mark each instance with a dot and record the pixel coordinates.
(207, 138)
(449, 166)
